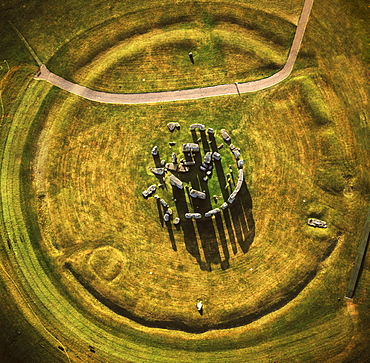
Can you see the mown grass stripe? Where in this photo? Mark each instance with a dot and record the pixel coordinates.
(296, 333)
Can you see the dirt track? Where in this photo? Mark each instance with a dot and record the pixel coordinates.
(190, 94)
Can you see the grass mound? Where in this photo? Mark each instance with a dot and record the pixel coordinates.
(107, 262)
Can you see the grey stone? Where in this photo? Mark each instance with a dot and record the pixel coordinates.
(212, 212)
(216, 156)
(238, 187)
(157, 171)
(193, 215)
(236, 153)
(176, 182)
(188, 163)
(208, 157)
(155, 151)
(225, 135)
(190, 147)
(148, 192)
(197, 194)
(171, 126)
(313, 222)
(197, 126)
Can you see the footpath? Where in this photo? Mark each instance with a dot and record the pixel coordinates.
(189, 94)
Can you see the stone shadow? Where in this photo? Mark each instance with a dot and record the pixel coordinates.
(210, 240)
(212, 227)
(186, 226)
(232, 322)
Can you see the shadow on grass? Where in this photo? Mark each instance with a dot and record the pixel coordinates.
(232, 321)
(208, 239)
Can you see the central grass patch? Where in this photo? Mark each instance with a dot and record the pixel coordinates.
(98, 159)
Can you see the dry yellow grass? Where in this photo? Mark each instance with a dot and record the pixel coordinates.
(94, 200)
(94, 217)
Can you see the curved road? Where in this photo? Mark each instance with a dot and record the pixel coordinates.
(189, 94)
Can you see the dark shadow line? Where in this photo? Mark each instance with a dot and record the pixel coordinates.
(230, 230)
(160, 214)
(213, 143)
(221, 178)
(176, 324)
(221, 231)
(194, 135)
(157, 161)
(204, 140)
(171, 235)
(242, 216)
(190, 237)
(208, 240)
(235, 214)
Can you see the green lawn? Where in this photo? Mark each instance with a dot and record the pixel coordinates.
(72, 173)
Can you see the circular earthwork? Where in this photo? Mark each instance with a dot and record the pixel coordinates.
(107, 244)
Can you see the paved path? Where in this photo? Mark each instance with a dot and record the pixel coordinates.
(190, 94)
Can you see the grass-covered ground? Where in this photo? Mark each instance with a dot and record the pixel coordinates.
(72, 173)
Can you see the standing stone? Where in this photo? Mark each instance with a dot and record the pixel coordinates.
(225, 135)
(191, 57)
(155, 151)
(171, 126)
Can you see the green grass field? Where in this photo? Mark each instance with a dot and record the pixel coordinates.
(88, 271)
